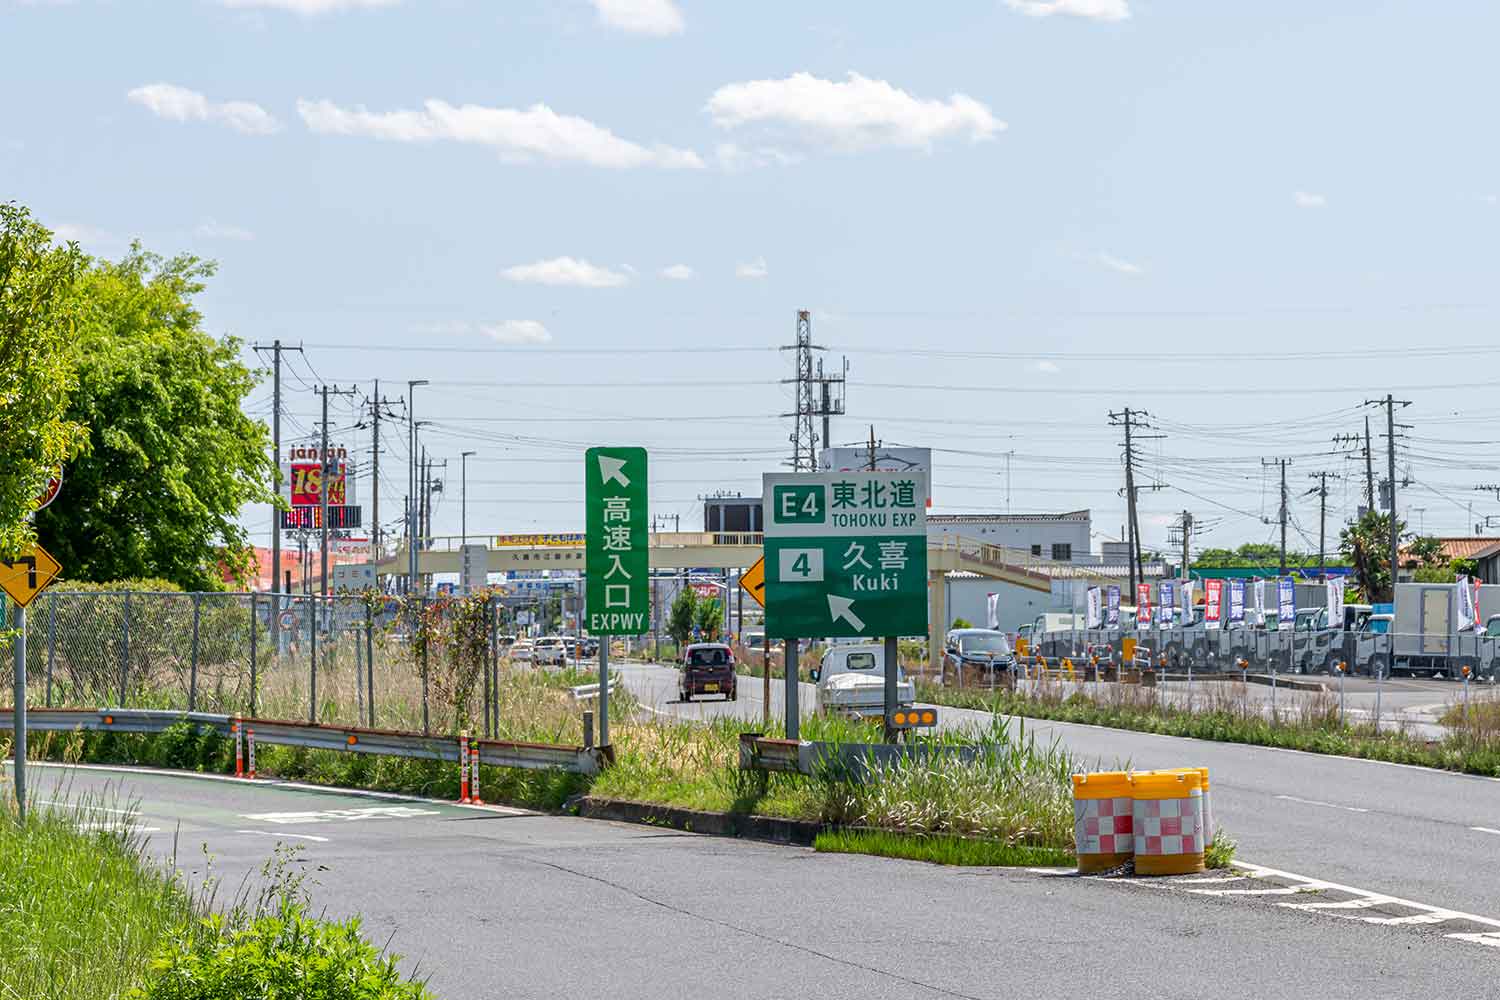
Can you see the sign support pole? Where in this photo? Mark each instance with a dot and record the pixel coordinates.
(604, 691)
(21, 712)
(793, 671)
(891, 667)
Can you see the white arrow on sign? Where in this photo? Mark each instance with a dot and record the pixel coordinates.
(613, 468)
(843, 607)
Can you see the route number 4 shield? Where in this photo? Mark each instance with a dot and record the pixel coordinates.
(846, 554)
(617, 555)
(28, 574)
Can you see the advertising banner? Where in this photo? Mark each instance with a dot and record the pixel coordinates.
(992, 610)
(1213, 606)
(1260, 602)
(1335, 588)
(1143, 605)
(1236, 601)
(1468, 603)
(1095, 615)
(1286, 602)
(1112, 606)
(1187, 602)
(1166, 593)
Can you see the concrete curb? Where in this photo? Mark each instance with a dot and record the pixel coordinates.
(780, 831)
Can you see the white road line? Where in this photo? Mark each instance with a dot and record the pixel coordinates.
(85, 807)
(282, 836)
(1485, 829)
(342, 815)
(1319, 802)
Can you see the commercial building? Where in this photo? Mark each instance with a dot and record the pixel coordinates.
(1055, 537)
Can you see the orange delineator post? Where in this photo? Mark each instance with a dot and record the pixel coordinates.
(463, 768)
(474, 775)
(250, 749)
(239, 748)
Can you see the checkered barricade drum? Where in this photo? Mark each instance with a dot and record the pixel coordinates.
(1103, 815)
(1168, 822)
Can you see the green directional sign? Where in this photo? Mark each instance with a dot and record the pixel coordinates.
(616, 554)
(846, 554)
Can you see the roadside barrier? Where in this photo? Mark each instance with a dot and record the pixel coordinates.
(463, 768)
(1168, 822)
(239, 750)
(250, 750)
(474, 796)
(1103, 816)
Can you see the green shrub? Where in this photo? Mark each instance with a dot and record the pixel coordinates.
(283, 955)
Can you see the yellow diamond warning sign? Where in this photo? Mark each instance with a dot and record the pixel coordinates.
(28, 574)
(753, 580)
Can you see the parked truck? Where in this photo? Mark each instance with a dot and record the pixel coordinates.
(1427, 635)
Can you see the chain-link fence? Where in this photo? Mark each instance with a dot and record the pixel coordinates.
(427, 665)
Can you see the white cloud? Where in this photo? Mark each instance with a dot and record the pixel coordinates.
(642, 17)
(516, 331)
(678, 272)
(857, 113)
(754, 269)
(209, 229)
(537, 132)
(1120, 266)
(178, 104)
(1049, 367)
(1305, 200)
(566, 271)
(309, 8)
(1098, 10)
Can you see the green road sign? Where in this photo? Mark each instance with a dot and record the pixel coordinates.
(616, 557)
(846, 554)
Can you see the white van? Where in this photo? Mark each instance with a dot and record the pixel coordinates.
(851, 681)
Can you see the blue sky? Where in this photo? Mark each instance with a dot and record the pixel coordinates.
(1011, 217)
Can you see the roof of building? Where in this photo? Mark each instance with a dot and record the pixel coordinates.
(1463, 547)
(941, 519)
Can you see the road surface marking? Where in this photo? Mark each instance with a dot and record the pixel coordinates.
(1318, 802)
(85, 807)
(1485, 829)
(279, 834)
(341, 815)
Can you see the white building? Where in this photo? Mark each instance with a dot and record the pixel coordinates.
(1056, 537)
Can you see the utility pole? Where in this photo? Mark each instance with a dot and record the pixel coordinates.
(871, 458)
(1185, 526)
(832, 404)
(1322, 493)
(463, 501)
(1369, 471)
(1282, 513)
(378, 408)
(1131, 421)
(276, 349)
(331, 469)
(411, 476)
(1390, 403)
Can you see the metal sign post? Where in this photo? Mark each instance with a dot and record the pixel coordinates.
(846, 555)
(617, 555)
(21, 711)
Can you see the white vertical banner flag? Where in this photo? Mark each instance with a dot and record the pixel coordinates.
(992, 610)
(1468, 614)
(1095, 608)
(1187, 603)
(1260, 603)
(1335, 587)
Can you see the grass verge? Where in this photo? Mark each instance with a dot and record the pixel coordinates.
(1227, 715)
(942, 850)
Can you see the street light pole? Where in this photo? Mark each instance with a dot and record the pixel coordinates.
(463, 495)
(411, 475)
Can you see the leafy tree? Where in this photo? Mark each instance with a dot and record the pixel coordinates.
(961, 623)
(1366, 544)
(170, 458)
(36, 376)
(683, 615)
(708, 615)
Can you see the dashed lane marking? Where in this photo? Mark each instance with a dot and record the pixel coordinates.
(282, 835)
(1485, 829)
(341, 815)
(1320, 802)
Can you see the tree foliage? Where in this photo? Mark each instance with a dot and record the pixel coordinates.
(1366, 544)
(708, 616)
(36, 377)
(170, 458)
(683, 615)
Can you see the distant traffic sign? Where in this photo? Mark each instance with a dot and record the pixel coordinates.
(52, 489)
(753, 581)
(616, 554)
(28, 574)
(846, 554)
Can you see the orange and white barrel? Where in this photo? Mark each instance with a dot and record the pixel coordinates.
(1168, 822)
(1103, 820)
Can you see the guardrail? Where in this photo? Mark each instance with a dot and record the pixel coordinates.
(584, 692)
(350, 739)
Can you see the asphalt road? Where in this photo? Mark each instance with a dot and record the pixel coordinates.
(1412, 832)
(497, 903)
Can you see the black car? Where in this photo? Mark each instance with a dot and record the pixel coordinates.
(707, 668)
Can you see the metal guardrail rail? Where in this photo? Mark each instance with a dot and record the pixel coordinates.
(584, 692)
(350, 739)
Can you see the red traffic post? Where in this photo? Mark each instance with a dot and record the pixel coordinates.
(236, 734)
(474, 772)
(250, 751)
(463, 768)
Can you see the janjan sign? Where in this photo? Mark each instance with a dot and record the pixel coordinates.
(617, 557)
(846, 554)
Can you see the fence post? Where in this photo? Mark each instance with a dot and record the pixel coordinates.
(51, 642)
(359, 678)
(312, 672)
(125, 652)
(193, 669)
(422, 629)
(254, 629)
(492, 626)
